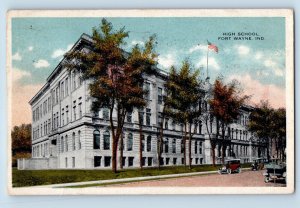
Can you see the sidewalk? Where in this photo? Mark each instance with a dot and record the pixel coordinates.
(101, 182)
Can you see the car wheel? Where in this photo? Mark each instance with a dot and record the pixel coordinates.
(267, 179)
(229, 171)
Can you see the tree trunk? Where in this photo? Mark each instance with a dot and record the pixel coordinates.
(114, 156)
(190, 146)
(121, 152)
(159, 143)
(140, 149)
(184, 145)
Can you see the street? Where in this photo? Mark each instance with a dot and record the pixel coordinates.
(244, 179)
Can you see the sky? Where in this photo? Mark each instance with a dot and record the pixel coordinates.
(38, 44)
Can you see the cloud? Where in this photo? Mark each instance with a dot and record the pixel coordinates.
(18, 74)
(21, 111)
(30, 48)
(197, 48)
(60, 52)
(242, 49)
(16, 57)
(212, 63)
(167, 61)
(135, 42)
(41, 63)
(275, 67)
(258, 55)
(259, 91)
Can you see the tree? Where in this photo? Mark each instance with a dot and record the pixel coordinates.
(21, 142)
(260, 123)
(116, 76)
(269, 125)
(225, 107)
(279, 131)
(21, 139)
(182, 101)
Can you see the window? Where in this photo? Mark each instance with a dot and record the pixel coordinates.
(141, 116)
(147, 89)
(129, 117)
(74, 110)
(66, 162)
(143, 161)
(74, 81)
(73, 141)
(197, 160)
(63, 117)
(56, 100)
(97, 161)
(167, 160)
(79, 140)
(174, 161)
(174, 146)
(167, 124)
(150, 161)
(107, 161)
(130, 161)
(96, 139)
(200, 148)
(66, 143)
(80, 110)
(148, 116)
(57, 122)
(149, 144)
(105, 113)
(182, 146)
(62, 90)
(73, 162)
(201, 161)
(166, 144)
(182, 161)
(67, 86)
(196, 147)
(129, 142)
(159, 96)
(67, 114)
(200, 127)
(106, 140)
(143, 143)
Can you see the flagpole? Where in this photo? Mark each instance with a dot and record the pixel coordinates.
(207, 63)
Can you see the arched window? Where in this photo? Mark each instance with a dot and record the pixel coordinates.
(106, 140)
(66, 142)
(149, 144)
(79, 140)
(62, 144)
(129, 142)
(73, 141)
(196, 147)
(96, 138)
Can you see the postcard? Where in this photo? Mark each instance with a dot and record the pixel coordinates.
(122, 102)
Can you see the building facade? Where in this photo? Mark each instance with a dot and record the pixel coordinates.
(66, 134)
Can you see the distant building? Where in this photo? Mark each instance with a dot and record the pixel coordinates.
(66, 134)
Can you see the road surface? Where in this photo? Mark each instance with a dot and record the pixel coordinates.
(244, 179)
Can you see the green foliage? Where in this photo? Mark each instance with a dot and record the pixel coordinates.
(226, 102)
(183, 94)
(269, 125)
(116, 77)
(21, 139)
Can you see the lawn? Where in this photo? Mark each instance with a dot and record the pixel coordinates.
(22, 178)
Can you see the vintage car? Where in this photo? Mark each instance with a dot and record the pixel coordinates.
(231, 166)
(258, 164)
(275, 170)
